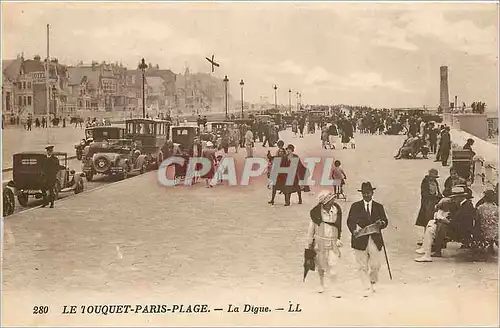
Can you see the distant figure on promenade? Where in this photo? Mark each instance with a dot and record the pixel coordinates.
(249, 143)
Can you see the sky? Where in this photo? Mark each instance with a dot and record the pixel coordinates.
(377, 54)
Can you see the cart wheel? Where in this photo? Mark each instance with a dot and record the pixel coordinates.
(22, 199)
(89, 176)
(9, 202)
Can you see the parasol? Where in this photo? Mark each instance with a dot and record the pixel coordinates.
(309, 260)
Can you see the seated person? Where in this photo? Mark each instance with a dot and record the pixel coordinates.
(440, 221)
(407, 149)
(453, 180)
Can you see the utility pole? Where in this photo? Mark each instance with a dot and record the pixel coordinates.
(290, 101)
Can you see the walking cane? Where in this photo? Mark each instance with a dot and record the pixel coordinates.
(386, 258)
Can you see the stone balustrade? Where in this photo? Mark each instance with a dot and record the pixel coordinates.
(485, 161)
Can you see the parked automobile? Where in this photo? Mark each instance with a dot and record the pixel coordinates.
(28, 178)
(114, 157)
(98, 133)
(150, 136)
(187, 139)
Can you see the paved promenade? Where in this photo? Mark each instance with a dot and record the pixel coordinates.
(135, 242)
(16, 140)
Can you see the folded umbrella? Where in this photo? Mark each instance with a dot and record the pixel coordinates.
(309, 260)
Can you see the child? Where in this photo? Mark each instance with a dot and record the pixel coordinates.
(339, 177)
(353, 143)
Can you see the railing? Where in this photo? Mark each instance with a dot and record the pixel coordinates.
(485, 161)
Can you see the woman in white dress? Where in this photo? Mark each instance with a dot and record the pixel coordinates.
(324, 234)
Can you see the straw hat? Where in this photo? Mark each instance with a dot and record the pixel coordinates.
(210, 144)
(325, 196)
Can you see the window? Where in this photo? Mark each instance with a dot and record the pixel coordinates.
(20, 103)
(24, 85)
(20, 85)
(24, 101)
(29, 100)
(29, 85)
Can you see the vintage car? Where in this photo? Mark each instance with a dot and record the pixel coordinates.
(98, 133)
(186, 138)
(288, 119)
(28, 178)
(149, 136)
(216, 126)
(245, 121)
(114, 157)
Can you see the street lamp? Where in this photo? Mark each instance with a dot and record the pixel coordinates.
(290, 100)
(297, 96)
(226, 80)
(143, 66)
(275, 97)
(242, 84)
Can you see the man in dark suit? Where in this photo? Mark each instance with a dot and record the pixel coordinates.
(50, 169)
(367, 248)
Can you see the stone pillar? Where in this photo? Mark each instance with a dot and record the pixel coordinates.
(444, 98)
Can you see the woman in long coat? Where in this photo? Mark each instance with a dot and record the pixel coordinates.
(323, 235)
(430, 196)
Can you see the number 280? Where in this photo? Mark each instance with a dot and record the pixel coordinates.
(43, 309)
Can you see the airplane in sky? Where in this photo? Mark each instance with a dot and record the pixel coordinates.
(212, 62)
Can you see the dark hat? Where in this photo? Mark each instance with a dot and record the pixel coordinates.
(49, 147)
(291, 147)
(433, 173)
(366, 186)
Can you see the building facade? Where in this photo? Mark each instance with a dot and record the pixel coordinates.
(24, 87)
(97, 87)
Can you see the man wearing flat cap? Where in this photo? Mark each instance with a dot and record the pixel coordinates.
(324, 233)
(50, 168)
(365, 221)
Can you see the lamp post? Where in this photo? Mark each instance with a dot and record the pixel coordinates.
(143, 66)
(226, 80)
(242, 84)
(290, 100)
(275, 97)
(297, 96)
(300, 99)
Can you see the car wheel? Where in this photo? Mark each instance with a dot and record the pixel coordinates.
(22, 199)
(89, 176)
(9, 202)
